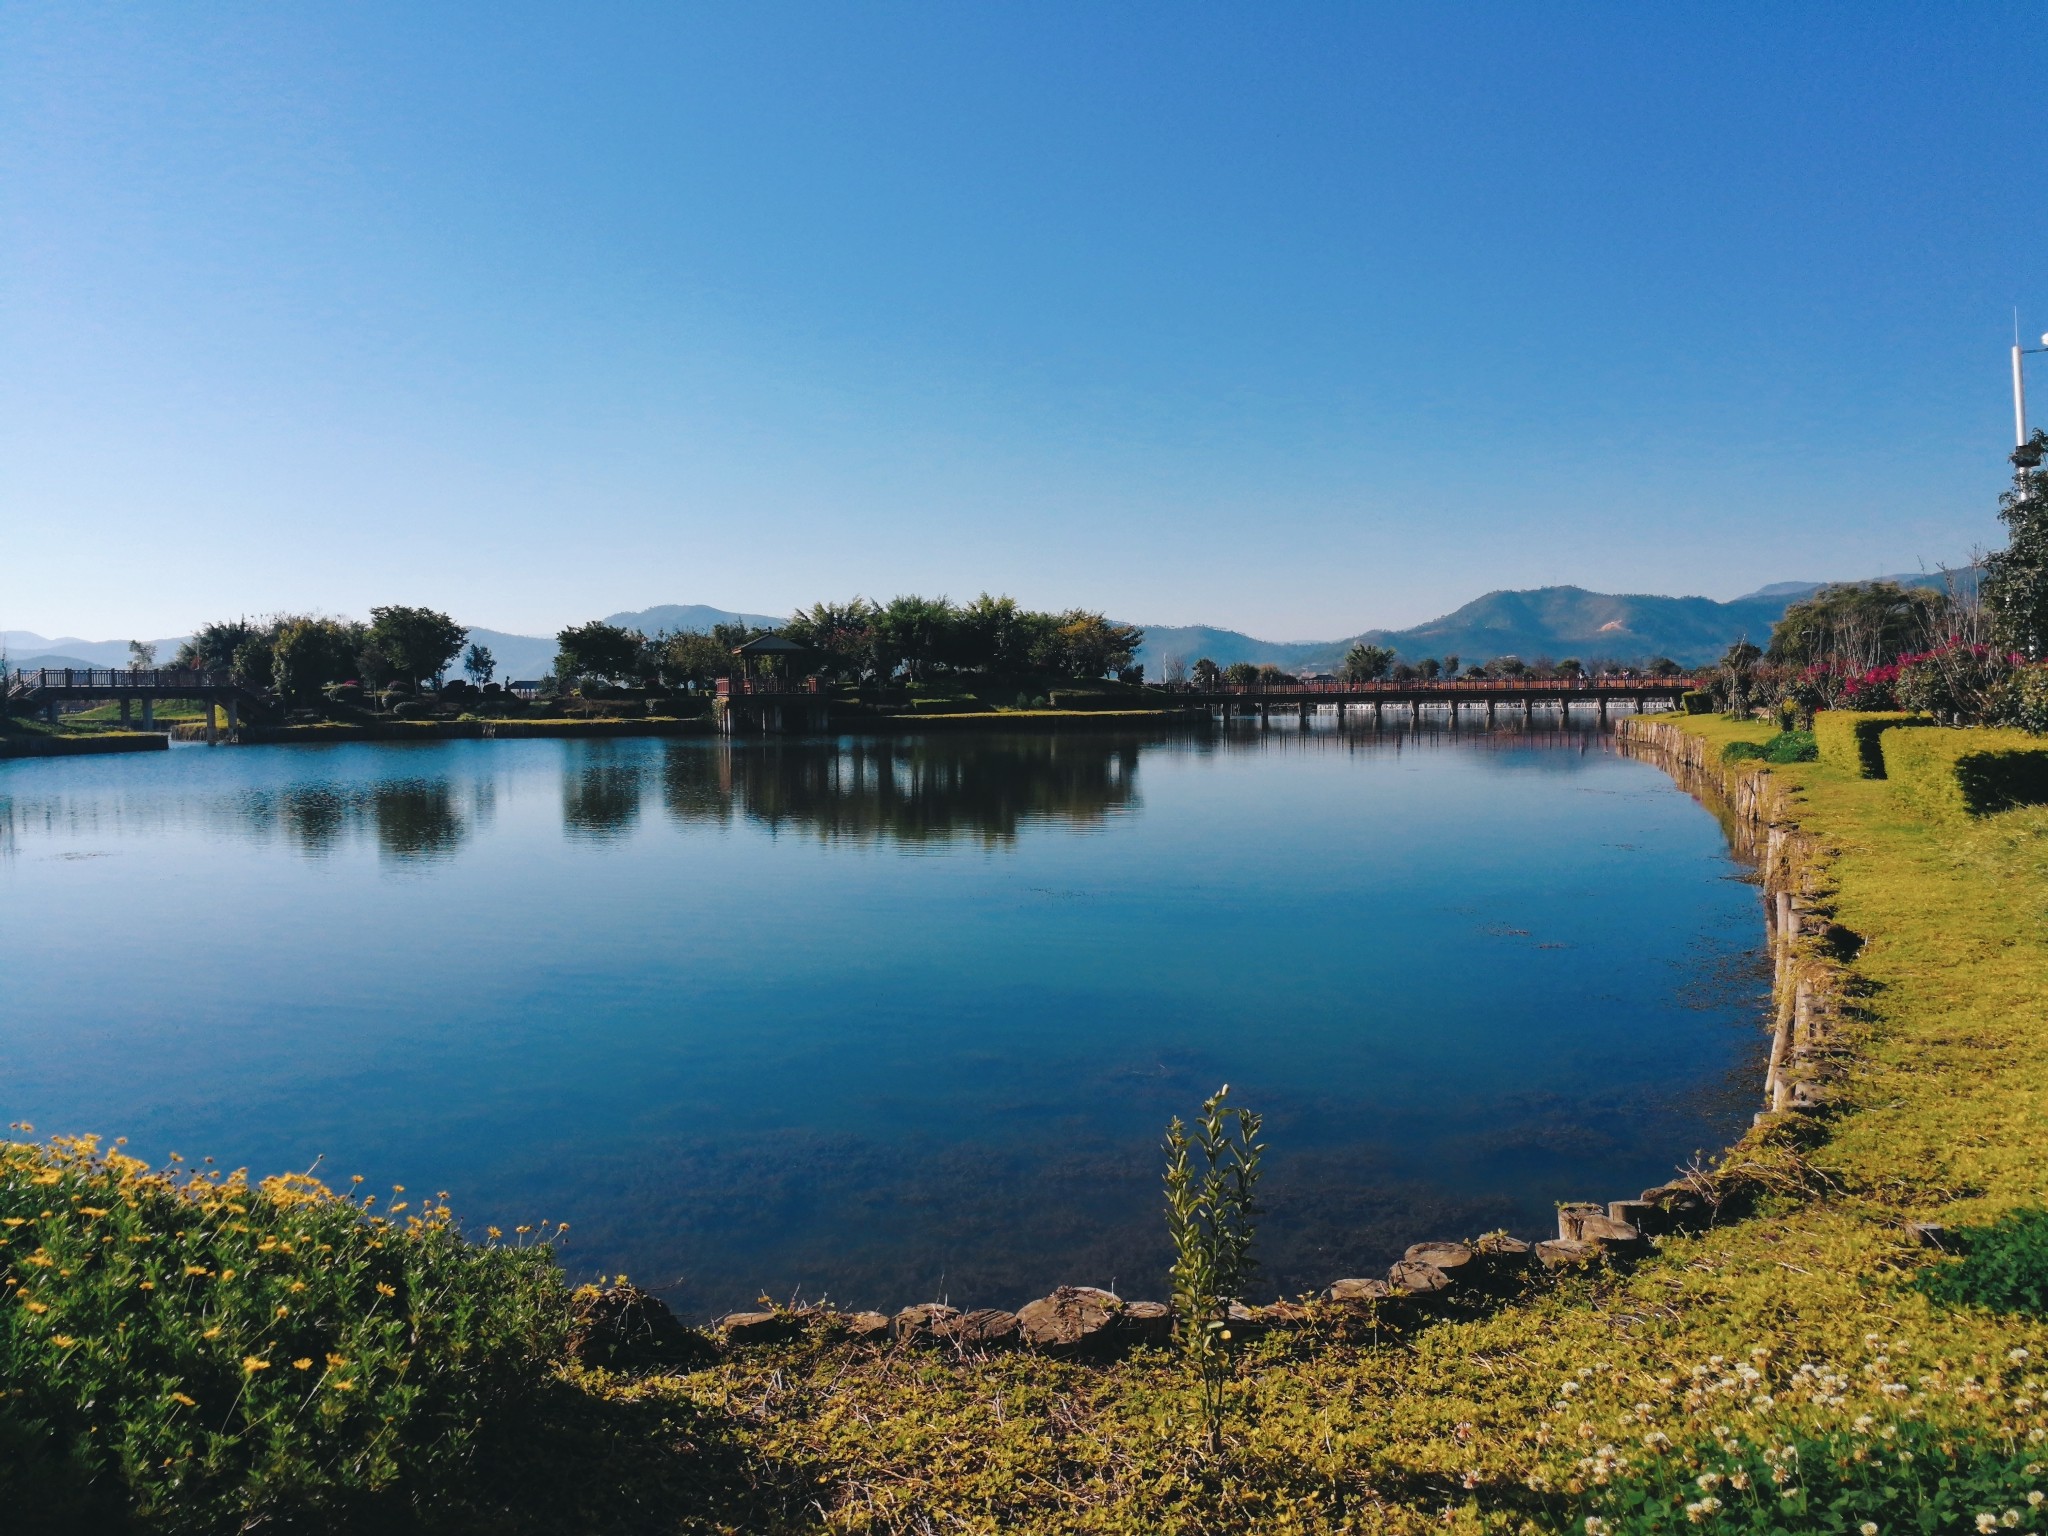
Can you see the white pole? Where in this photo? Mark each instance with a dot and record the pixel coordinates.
(2019, 401)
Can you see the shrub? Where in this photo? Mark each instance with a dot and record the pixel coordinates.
(2004, 1267)
(205, 1354)
(2023, 701)
(1950, 773)
(1697, 701)
(1212, 1175)
(410, 709)
(1785, 747)
(1849, 739)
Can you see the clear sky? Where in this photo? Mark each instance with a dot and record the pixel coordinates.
(1294, 318)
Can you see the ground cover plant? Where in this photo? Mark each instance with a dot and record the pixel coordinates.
(1805, 1363)
(200, 1352)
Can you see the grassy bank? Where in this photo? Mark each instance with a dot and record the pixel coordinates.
(1790, 1368)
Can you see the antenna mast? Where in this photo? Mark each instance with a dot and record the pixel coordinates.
(2019, 389)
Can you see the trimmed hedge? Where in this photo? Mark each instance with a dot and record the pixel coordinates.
(1951, 773)
(1696, 701)
(1851, 739)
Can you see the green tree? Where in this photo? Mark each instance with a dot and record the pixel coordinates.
(916, 633)
(1240, 674)
(1451, 664)
(306, 654)
(1664, 666)
(1367, 663)
(691, 656)
(141, 656)
(1206, 673)
(842, 635)
(1571, 667)
(2015, 584)
(1088, 645)
(598, 650)
(479, 663)
(1855, 625)
(212, 647)
(419, 642)
(1429, 667)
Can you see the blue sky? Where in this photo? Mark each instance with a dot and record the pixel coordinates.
(1295, 318)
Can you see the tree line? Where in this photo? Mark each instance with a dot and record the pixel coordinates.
(860, 641)
(297, 656)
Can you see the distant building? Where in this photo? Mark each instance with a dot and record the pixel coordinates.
(525, 689)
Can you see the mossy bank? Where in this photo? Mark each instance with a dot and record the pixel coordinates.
(1789, 1367)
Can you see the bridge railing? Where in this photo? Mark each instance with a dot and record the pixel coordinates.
(1450, 686)
(158, 678)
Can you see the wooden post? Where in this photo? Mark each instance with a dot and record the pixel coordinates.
(149, 711)
(124, 709)
(1304, 714)
(1415, 714)
(1528, 713)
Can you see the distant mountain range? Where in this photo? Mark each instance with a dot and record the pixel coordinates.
(1540, 621)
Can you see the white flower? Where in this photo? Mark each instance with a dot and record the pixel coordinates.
(2034, 1499)
(1867, 1528)
(2016, 1356)
(1987, 1522)
(1708, 1481)
(1763, 1402)
(1595, 1526)
(2009, 1519)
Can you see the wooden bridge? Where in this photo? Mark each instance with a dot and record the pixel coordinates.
(48, 687)
(1452, 696)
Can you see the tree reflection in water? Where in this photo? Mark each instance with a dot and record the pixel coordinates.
(601, 801)
(411, 820)
(917, 790)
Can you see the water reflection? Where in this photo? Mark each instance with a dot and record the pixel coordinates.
(413, 820)
(916, 790)
(602, 801)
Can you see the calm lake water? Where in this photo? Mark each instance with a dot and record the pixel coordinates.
(890, 1020)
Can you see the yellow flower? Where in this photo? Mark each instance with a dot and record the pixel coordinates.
(211, 1333)
(62, 1340)
(342, 1386)
(227, 1274)
(283, 1311)
(189, 1402)
(335, 1362)
(145, 1285)
(195, 1269)
(35, 1306)
(386, 1290)
(252, 1365)
(303, 1365)
(17, 1221)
